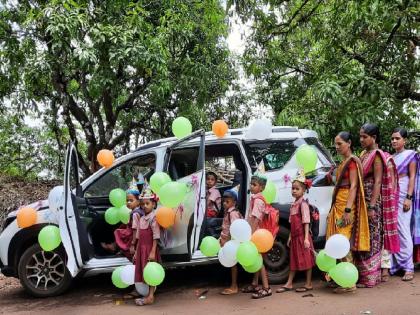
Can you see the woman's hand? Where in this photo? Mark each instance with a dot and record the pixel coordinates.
(346, 219)
(306, 244)
(407, 205)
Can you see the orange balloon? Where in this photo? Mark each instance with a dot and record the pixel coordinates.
(220, 128)
(26, 217)
(105, 158)
(263, 239)
(165, 217)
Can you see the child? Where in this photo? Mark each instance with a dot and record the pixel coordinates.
(213, 204)
(231, 213)
(300, 240)
(147, 236)
(255, 216)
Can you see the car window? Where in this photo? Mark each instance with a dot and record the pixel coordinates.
(183, 162)
(122, 176)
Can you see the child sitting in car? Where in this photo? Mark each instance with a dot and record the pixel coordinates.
(213, 204)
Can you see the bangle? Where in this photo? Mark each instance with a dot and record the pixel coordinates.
(409, 197)
(347, 210)
(370, 207)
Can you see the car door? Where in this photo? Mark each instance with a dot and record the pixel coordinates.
(184, 162)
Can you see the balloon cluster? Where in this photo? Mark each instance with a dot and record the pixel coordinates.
(119, 212)
(244, 247)
(153, 275)
(345, 274)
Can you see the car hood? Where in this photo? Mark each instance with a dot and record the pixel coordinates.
(37, 205)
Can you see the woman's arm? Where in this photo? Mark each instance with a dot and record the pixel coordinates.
(377, 176)
(412, 168)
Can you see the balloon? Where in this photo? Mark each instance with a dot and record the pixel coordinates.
(105, 158)
(247, 253)
(345, 274)
(219, 128)
(181, 127)
(172, 194)
(240, 230)
(270, 192)
(256, 266)
(165, 217)
(26, 217)
(263, 239)
(158, 180)
(153, 273)
(337, 246)
(124, 214)
(260, 130)
(112, 216)
(324, 262)
(230, 249)
(306, 157)
(127, 274)
(142, 288)
(224, 260)
(117, 197)
(116, 278)
(49, 238)
(209, 246)
(55, 198)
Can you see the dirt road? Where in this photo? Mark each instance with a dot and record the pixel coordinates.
(181, 290)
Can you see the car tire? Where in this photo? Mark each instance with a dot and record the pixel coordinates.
(44, 274)
(276, 261)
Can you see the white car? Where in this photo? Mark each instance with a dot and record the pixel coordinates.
(80, 214)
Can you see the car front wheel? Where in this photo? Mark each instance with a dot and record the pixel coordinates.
(42, 273)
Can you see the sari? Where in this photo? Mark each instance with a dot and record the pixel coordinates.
(403, 260)
(358, 231)
(416, 212)
(383, 230)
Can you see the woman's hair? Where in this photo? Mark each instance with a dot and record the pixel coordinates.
(211, 174)
(347, 137)
(373, 131)
(402, 131)
(259, 179)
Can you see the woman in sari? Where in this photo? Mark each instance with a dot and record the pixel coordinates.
(380, 200)
(405, 161)
(348, 214)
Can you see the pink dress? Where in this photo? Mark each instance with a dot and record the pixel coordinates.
(257, 207)
(147, 231)
(124, 234)
(300, 257)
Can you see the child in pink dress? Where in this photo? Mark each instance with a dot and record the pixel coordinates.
(213, 197)
(231, 214)
(147, 236)
(255, 217)
(300, 239)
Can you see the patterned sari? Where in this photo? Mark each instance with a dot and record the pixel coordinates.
(383, 229)
(358, 231)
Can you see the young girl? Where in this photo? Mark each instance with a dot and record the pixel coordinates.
(255, 216)
(147, 236)
(300, 240)
(230, 198)
(213, 204)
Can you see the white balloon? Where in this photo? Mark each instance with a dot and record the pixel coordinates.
(337, 246)
(55, 198)
(226, 262)
(127, 274)
(260, 129)
(240, 230)
(230, 249)
(142, 288)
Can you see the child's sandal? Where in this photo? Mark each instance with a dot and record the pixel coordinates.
(262, 293)
(250, 289)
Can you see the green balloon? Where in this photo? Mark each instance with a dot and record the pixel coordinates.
(112, 216)
(117, 197)
(345, 274)
(49, 238)
(158, 180)
(172, 194)
(325, 262)
(247, 253)
(123, 214)
(269, 192)
(181, 127)
(256, 266)
(306, 158)
(210, 246)
(116, 278)
(153, 274)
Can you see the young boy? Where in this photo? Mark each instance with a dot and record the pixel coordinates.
(213, 204)
(230, 197)
(255, 216)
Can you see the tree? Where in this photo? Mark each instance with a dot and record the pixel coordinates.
(333, 65)
(114, 72)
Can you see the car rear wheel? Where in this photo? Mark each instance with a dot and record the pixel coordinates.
(276, 261)
(42, 273)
